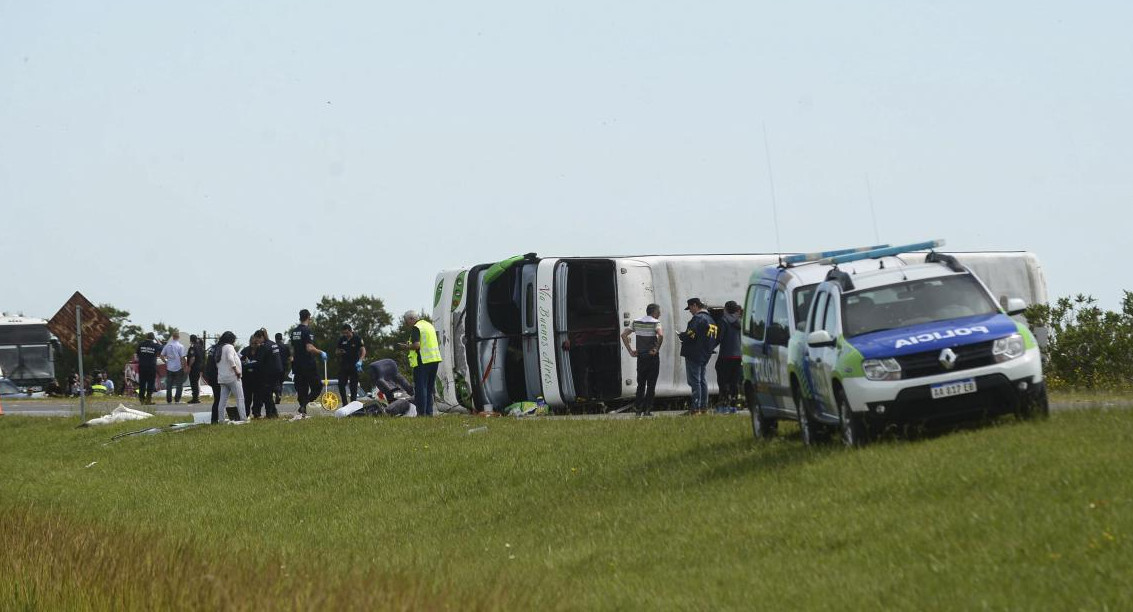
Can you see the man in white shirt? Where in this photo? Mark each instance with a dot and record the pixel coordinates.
(174, 355)
(649, 336)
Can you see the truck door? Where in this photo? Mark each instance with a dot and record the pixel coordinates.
(775, 351)
(826, 358)
(757, 364)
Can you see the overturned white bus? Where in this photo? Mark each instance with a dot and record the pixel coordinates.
(531, 327)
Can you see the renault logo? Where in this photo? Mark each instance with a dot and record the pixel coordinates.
(948, 359)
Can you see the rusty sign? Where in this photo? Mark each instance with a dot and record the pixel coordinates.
(62, 324)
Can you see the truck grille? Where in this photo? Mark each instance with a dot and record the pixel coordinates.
(927, 363)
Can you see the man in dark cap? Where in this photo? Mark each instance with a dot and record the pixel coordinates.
(351, 351)
(729, 361)
(147, 368)
(698, 342)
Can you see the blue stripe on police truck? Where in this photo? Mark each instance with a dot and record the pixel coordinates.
(936, 335)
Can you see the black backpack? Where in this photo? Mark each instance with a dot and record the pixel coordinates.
(212, 371)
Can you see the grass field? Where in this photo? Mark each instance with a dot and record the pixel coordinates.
(669, 513)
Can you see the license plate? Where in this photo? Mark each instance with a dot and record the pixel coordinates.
(949, 389)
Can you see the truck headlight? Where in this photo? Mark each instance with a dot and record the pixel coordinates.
(882, 369)
(1008, 348)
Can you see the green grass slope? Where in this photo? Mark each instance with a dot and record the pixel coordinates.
(682, 513)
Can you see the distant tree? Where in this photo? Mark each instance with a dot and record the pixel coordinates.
(366, 315)
(1089, 347)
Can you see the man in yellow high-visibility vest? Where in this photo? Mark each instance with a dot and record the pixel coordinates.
(425, 358)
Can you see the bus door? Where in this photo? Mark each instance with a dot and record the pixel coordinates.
(530, 332)
(562, 334)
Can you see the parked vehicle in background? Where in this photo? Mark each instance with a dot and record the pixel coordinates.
(27, 351)
(10, 390)
(883, 332)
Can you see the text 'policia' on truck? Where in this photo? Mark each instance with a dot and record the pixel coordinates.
(530, 327)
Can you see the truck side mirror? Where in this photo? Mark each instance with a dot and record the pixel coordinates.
(1016, 306)
(820, 338)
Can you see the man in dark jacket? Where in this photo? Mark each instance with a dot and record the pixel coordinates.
(729, 361)
(251, 378)
(268, 366)
(351, 351)
(196, 360)
(284, 364)
(698, 342)
(147, 352)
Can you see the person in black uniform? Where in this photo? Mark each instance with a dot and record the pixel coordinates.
(147, 352)
(251, 377)
(267, 368)
(196, 359)
(351, 351)
(285, 366)
(303, 352)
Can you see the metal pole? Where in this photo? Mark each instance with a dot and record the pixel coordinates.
(82, 377)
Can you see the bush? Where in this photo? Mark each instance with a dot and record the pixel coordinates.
(1089, 348)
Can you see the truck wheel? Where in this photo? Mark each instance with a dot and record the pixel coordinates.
(762, 427)
(853, 426)
(806, 428)
(1034, 406)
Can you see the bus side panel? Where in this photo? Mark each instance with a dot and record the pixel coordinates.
(548, 355)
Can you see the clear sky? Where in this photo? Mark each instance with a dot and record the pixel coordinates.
(220, 165)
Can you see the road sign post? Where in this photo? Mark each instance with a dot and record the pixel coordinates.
(95, 324)
(82, 378)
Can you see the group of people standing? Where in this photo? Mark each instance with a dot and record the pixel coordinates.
(700, 340)
(181, 364)
(254, 376)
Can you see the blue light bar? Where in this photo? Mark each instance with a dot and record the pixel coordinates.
(805, 257)
(882, 252)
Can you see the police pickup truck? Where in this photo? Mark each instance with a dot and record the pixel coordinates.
(854, 340)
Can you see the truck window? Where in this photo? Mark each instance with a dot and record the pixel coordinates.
(803, 296)
(780, 330)
(757, 312)
(830, 319)
(814, 321)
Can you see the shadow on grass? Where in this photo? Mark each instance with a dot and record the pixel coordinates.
(745, 457)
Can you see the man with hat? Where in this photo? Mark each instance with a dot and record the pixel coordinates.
(698, 342)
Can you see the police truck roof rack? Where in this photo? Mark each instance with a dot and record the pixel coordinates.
(881, 252)
(844, 279)
(803, 258)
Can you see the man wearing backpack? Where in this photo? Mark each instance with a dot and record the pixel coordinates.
(729, 361)
(211, 375)
(698, 342)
